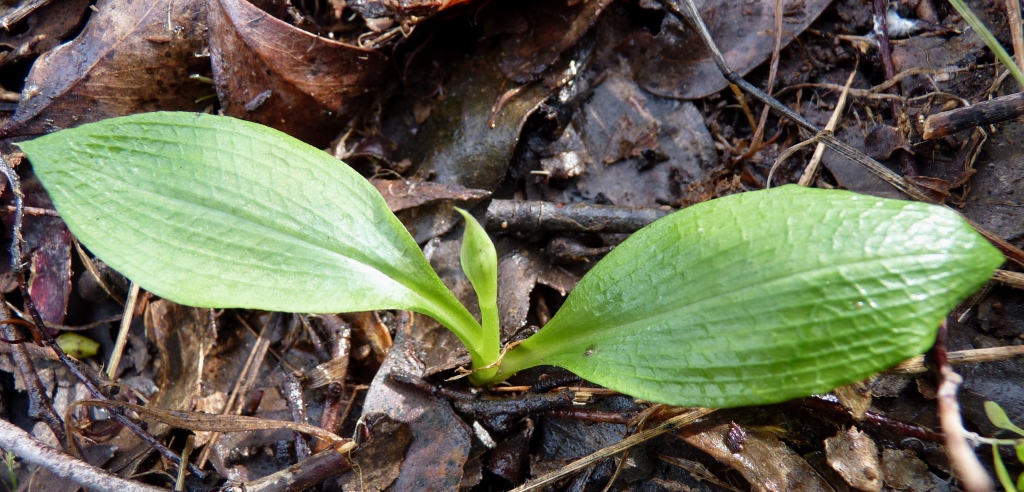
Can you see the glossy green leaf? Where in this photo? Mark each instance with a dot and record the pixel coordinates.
(217, 212)
(998, 417)
(764, 296)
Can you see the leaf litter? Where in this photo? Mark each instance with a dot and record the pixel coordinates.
(573, 102)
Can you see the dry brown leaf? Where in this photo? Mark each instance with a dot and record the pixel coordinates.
(132, 57)
(675, 63)
(276, 74)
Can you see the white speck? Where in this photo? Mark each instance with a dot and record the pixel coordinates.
(483, 435)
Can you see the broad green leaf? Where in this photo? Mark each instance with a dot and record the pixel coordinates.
(217, 212)
(998, 417)
(764, 296)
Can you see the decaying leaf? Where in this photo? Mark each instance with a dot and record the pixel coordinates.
(675, 63)
(538, 36)
(46, 28)
(765, 461)
(47, 250)
(276, 74)
(133, 56)
(854, 456)
(409, 193)
(440, 446)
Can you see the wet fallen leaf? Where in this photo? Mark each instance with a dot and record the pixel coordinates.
(459, 142)
(854, 456)
(44, 30)
(48, 251)
(994, 201)
(276, 74)
(440, 445)
(536, 37)
(378, 461)
(409, 193)
(674, 63)
(133, 56)
(765, 461)
(627, 125)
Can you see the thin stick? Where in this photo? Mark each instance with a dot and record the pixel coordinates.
(122, 334)
(669, 425)
(973, 476)
(916, 365)
(1013, 19)
(242, 385)
(755, 143)
(39, 404)
(21, 12)
(62, 465)
(179, 484)
(833, 121)
(1013, 279)
(33, 210)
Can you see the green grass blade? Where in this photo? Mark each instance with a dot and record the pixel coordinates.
(989, 39)
(764, 296)
(217, 212)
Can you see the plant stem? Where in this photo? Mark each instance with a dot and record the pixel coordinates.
(491, 342)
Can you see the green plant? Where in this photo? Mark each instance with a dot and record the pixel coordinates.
(999, 419)
(11, 475)
(749, 299)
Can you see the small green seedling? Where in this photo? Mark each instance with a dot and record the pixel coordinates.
(749, 299)
(77, 346)
(11, 474)
(999, 419)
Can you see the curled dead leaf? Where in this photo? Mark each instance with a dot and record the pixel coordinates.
(276, 74)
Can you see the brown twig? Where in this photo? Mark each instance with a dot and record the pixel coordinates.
(984, 113)
(812, 166)
(755, 143)
(1013, 19)
(880, 11)
(39, 404)
(533, 216)
(21, 12)
(312, 471)
(297, 404)
(669, 425)
(62, 465)
(916, 365)
(1012, 279)
(245, 381)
